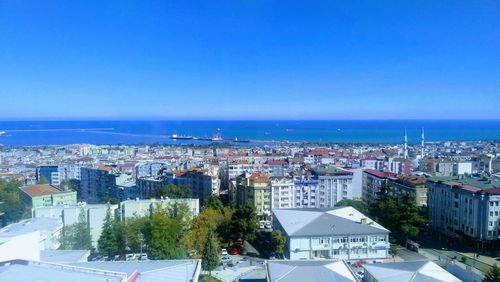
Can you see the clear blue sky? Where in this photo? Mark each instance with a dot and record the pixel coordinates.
(250, 59)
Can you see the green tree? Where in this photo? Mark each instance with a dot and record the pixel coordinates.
(171, 191)
(77, 236)
(134, 227)
(359, 205)
(163, 236)
(11, 206)
(214, 203)
(181, 213)
(210, 258)
(493, 275)
(243, 223)
(410, 220)
(277, 242)
(120, 237)
(107, 243)
(194, 239)
(401, 216)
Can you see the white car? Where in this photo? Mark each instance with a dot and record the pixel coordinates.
(262, 224)
(223, 252)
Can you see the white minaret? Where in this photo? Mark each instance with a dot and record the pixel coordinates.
(422, 145)
(406, 145)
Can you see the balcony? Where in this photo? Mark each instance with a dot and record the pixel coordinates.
(320, 247)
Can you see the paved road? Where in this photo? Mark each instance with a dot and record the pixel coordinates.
(408, 255)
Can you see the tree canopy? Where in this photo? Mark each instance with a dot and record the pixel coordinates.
(164, 235)
(400, 215)
(10, 203)
(214, 203)
(277, 242)
(107, 243)
(171, 191)
(194, 238)
(210, 258)
(243, 223)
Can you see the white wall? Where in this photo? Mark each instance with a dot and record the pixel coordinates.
(24, 246)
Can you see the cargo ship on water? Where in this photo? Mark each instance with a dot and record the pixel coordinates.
(241, 140)
(181, 137)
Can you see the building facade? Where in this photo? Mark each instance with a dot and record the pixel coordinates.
(282, 193)
(97, 183)
(47, 174)
(44, 195)
(465, 208)
(371, 183)
(402, 186)
(334, 185)
(337, 233)
(256, 190)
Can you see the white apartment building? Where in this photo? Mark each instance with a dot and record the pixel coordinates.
(334, 184)
(338, 233)
(282, 193)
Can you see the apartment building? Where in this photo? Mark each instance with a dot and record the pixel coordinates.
(282, 192)
(255, 189)
(334, 233)
(465, 207)
(371, 183)
(401, 186)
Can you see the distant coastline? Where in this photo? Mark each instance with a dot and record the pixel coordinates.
(24, 133)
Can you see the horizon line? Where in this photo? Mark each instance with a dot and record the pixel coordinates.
(239, 119)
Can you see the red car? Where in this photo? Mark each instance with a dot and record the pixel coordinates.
(233, 251)
(240, 242)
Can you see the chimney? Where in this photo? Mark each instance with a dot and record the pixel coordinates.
(364, 220)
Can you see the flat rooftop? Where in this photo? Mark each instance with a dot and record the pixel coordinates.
(480, 183)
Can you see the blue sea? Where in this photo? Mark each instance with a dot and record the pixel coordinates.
(24, 133)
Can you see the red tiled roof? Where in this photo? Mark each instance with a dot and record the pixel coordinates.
(40, 190)
(259, 177)
(493, 191)
(464, 186)
(106, 168)
(380, 174)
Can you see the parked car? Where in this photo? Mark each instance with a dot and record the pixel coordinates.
(234, 251)
(262, 224)
(143, 257)
(130, 257)
(223, 252)
(269, 225)
(226, 259)
(240, 242)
